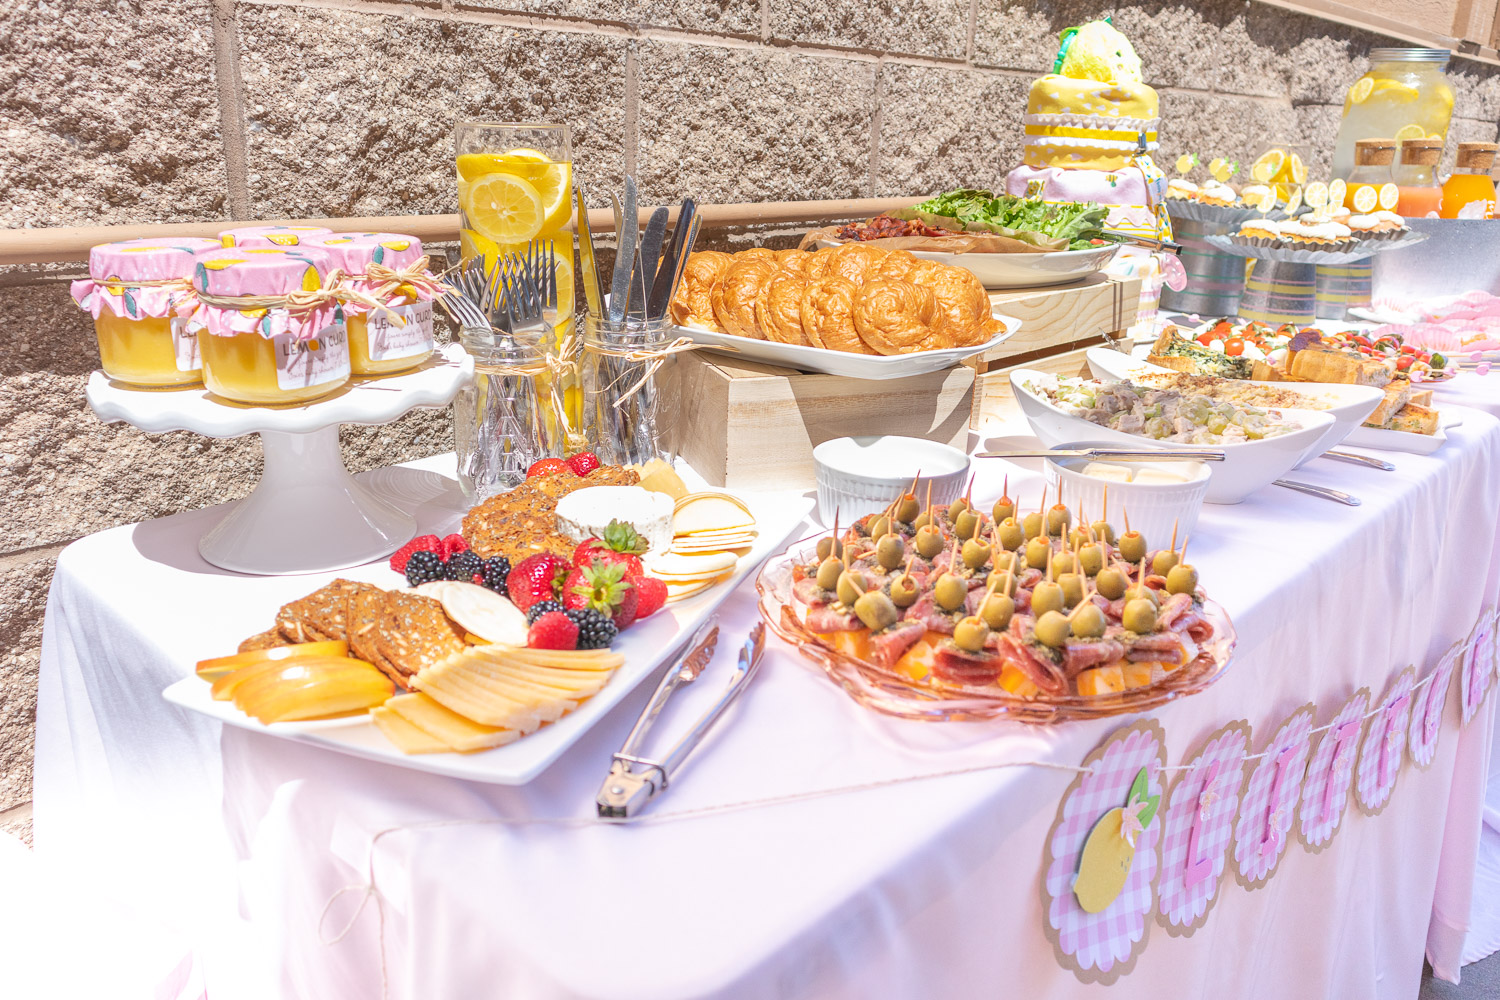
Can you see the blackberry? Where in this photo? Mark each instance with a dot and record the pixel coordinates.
(496, 572)
(596, 630)
(425, 567)
(464, 565)
(541, 608)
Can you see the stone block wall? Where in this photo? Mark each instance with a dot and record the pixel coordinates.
(116, 111)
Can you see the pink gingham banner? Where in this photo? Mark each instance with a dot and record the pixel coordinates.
(1478, 673)
(1330, 773)
(1382, 751)
(1101, 947)
(1427, 712)
(1269, 804)
(1197, 829)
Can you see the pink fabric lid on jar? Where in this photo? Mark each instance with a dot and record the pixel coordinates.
(234, 272)
(353, 253)
(249, 237)
(113, 267)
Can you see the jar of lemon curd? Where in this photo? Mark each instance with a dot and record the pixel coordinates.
(132, 290)
(269, 324)
(250, 237)
(390, 322)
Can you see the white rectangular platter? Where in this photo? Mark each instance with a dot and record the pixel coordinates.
(646, 645)
(863, 366)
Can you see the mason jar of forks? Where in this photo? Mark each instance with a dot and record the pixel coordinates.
(628, 419)
(497, 426)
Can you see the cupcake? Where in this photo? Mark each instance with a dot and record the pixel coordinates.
(1316, 235)
(1251, 195)
(1216, 193)
(1182, 190)
(1388, 226)
(1260, 233)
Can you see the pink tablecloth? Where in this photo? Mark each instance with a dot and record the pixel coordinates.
(924, 888)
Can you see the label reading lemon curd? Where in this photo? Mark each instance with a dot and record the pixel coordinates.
(389, 341)
(301, 364)
(185, 346)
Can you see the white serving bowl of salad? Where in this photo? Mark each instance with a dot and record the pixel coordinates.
(1349, 405)
(1028, 270)
(1260, 446)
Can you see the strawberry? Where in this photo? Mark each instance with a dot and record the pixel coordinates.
(553, 630)
(653, 595)
(534, 579)
(602, 586)
(452, 546)
(547, 467)
(620, 544)
(583, 463)
(422, 543)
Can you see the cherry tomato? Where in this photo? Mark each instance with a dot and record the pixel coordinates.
(1206, 337)
(1234, 346)
(1361, 341)
(1404, 362)
(1408, 349)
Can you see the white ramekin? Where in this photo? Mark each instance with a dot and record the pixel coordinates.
(862, 475)
(1153, 507)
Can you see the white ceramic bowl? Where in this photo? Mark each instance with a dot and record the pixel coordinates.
(862, 475)
(1349, 405)
(1153, 507)
(1027, 270)
(1246, 467)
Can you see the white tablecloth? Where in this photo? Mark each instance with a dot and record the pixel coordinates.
(918, 889)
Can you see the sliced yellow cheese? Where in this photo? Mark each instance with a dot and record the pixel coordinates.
(710, 512)
(447, 726)
(571, 684)
(407, 737)
(461, 695)
(589, 659)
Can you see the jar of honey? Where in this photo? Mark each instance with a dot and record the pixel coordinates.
(389, 270)
(249, 237)
(132, 290)
(269, 324)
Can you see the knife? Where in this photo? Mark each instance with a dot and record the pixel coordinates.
(627, 237)
(1322, 492)
(651, 240)
(1358, 459)
(671, 266)
(593, 288)
(1123, 454)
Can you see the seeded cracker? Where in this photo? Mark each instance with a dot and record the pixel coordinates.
(414, 633)
(320, 616)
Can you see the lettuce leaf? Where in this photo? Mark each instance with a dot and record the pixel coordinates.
(1074, 225)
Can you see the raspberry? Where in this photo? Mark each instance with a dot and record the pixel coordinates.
(452, 545)
(583, 463)
(425, 567)
(595, 629)
(422, 543)
(547, 467)
(554, 630)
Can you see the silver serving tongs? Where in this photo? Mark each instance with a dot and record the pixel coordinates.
(635, 780)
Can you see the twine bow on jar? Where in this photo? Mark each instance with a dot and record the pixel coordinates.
(417, 274)
(302, 301)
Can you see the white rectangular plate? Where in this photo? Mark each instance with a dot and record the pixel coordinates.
(646, 646)
(1416, 444)
(865, 366)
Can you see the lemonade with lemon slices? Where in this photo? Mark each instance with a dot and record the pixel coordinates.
(1404, 96)
(515, 188)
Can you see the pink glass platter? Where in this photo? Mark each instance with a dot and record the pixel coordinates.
(895, 694)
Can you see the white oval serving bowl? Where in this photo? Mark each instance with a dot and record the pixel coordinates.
(1154, 507)
(1246, 468)
(862, 475)
(1349, 405)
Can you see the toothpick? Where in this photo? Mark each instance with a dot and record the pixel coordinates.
(1127, 521)
(1174, 534)
(909, 560)
(1105, 517)
(927, 509)
(1005, 490)
(1182, 556)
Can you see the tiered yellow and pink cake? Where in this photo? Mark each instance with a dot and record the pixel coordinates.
(1090, 126)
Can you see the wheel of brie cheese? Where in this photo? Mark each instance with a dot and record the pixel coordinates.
(587, 512)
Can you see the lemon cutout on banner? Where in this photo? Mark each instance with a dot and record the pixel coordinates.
(1109, 852)
(1186, 162)
(1268, 165)
(1389, 196)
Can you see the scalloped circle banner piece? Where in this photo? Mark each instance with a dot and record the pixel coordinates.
(1198, 827)
(1101, 947)
(1269, 804)
(1478, 673)
(1383, 749)
(1427, 712)
(1330, 774)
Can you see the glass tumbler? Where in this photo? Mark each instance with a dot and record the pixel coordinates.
(497, 428)
(628, 418)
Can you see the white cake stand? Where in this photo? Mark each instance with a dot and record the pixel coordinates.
(307, 514)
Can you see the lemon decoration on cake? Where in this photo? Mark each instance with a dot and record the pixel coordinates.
(1090, 126)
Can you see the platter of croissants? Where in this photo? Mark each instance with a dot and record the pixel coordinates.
(852, 309)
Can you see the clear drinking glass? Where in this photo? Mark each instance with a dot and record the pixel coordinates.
(497, 430)
(628, 418)
(515, 187)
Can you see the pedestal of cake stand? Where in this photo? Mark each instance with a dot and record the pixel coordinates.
(307, 514)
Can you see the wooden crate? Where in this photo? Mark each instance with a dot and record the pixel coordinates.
(1063, 318)
(752, 426)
